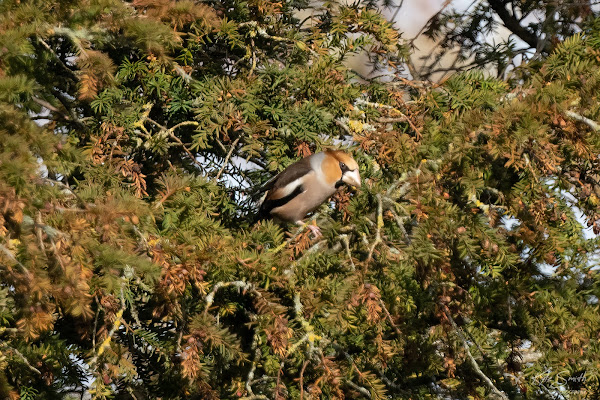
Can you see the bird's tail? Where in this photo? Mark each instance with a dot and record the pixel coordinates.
(263, 212)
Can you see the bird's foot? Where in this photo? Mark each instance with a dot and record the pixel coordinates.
(316, 231)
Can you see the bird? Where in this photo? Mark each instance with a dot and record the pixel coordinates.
(306, 184)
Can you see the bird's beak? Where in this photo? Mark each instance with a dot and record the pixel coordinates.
(352, 178)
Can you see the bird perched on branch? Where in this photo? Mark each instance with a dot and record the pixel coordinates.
(303, 186)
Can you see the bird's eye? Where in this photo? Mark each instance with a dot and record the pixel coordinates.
(343, 166)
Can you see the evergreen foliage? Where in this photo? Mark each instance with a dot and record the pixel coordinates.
(499, 34)
(132, 133)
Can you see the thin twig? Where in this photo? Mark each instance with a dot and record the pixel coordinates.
(308, 337)
(375, 105)
(57, 255)
(389, 317)
(38, 230)
(184, 123)
(142, 237)
(96, 322)
(257, 355)
(7, 252)
(130, 391)
(210, 298)
(388, 120)
(289, 271)
(344, 126)
(302, 379)
(253, 65)
(22, 357)
(472, 361)
(348, 253)
(171, 133)
(49, 106)
(277, 395)
(60, 62)
(260, 31)
(69, 188)
(364, 391)
(187, 151)
(233, 146)
(432, 18)
(378, 229)
(400, 222)
(106, 343)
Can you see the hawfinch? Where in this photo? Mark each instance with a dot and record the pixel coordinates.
(303, 186)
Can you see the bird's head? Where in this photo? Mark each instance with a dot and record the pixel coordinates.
(342, 167)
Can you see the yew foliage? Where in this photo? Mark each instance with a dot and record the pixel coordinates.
(132, 134)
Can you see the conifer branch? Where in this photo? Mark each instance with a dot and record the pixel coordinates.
(257, 354)
(472, 361)
(21, 356)
(7, 252)
(289, 271)
(293, 237)
(64, 100)
(210, 298)
(187, 151)
(184, 123)
(106, 342)
(375, 105)
(260, 31)
(387, 381)
(308, 328)
(171, 133)
(592, 124)
(308, 337)
(362, 390)
(399, 221)
(512, 23)
(401, 116)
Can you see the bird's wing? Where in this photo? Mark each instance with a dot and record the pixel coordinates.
(290, 174)
(285, 186)
(289, 179)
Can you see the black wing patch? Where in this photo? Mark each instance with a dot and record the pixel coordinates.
(268, 205)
